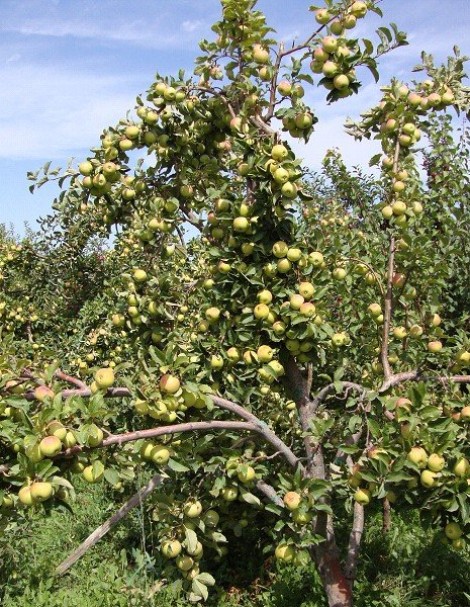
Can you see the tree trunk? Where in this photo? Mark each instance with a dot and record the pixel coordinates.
(337, 588)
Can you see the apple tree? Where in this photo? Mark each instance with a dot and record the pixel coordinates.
(283, 342)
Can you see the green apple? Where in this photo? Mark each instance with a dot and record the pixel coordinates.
(307, 309)
(329, 44)
(233, 354)
(375, 309)
(435, 346)
(265, 354)
(216, 362)
(428, 478)
(453, 531)
(465, 413)
(339, 339)
(436, 462)
(41, 491)
(42, 392)
(399, 207)
(169, 384)
(85, 168)
(301, 518)
(400, 332)
(196, 551)
(171, 548)
(341, 81)
(293, 254)
(212, 314)
(25, 496)
(283, 266)
(229, 494)
(339, 273)
(418, 456)
(90, 476)
(160, 455)
(132, 132)
(316, 258)
(462, 467)
(285, 89)
(285, 553)
(416, 331)
(50, 446)
(295, 301)
(292, 500)
(240, 224)
(358, 9)
(306, 289)
(184, 562)
(139, 275)
(289, 190)
(362, 496)
(211, 518)
(246, 473)
(281, 175)
(330, 69)
(279, 152)
(192, 509)
(104, 378)
(95, 436)
(261, 311)
(57, 428)
(322, 16)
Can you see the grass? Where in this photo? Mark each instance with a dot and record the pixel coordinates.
(405, 568)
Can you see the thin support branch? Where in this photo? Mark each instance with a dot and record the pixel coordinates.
(386, 516)
(103, 529)
(388, 311)
(354, 546)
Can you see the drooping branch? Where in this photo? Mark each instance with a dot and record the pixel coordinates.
(400, 378)
(264, 429)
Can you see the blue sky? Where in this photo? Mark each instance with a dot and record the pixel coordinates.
(69, 68)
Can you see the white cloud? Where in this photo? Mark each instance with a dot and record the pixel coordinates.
(13, 58)
(47, 113)
(191, 26)
(136, 32)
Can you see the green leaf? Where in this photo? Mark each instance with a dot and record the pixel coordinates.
(177, 466)
(206, 578)
(200, 589)
(191, 539)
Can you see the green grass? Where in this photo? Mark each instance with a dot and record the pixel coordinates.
(405, 568)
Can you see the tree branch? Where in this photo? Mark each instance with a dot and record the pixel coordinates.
(399, 378)
(270, 493)
(263, 428)
(75, 381)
